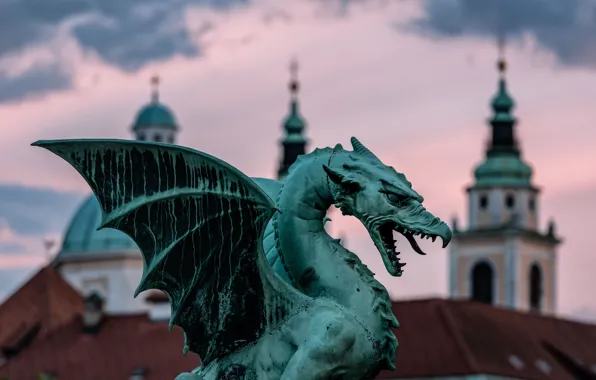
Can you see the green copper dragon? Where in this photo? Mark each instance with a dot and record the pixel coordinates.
(260, 289)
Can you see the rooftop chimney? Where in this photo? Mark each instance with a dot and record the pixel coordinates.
(93, 313)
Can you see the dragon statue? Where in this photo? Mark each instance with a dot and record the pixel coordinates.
(259, 288)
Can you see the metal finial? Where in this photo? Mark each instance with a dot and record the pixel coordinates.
(501, 63)
(294, 84)
(155, 88)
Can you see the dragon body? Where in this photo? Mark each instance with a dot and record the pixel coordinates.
(261, 291)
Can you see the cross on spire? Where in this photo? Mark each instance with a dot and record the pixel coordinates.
(155, 88)
(294, 84)
(501, 63)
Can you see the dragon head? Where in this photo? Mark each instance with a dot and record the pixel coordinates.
(384, 201)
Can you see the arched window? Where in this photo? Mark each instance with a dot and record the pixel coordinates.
(157, 138)
(535, 288)
(510, 201)
(482, 283)
(483, 202)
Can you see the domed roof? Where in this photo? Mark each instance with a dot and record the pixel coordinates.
(83, 239)
(155, 114)
(503, 169)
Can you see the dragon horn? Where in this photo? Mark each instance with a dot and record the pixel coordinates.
(360, 149)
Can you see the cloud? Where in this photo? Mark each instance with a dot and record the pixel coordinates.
(36, 81)
(36, 211)
(565, 28)
(11, 248)
(125, 34)
(19, 254)
(8, 243)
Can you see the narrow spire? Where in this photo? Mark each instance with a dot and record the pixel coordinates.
(294, 123)
(294, 142)
(502, 103)
(155, 88)
(501, 63)
(294, 85)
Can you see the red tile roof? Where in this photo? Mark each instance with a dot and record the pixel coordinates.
(156, 297)
(437, 338)
(43, 303)
(448, 338)
(122, 345)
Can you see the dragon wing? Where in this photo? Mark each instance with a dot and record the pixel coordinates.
(199, 223)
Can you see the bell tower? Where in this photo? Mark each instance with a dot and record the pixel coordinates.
(502, 257)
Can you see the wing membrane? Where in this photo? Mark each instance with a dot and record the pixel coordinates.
(199, 224)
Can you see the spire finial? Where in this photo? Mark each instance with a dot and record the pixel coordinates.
(501, 63)
(294, 84)
(155, 88)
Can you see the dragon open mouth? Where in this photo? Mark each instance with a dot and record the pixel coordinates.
(385, 242)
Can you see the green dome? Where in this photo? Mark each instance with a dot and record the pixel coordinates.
(83, 240)
(503, 169)
(155, 114)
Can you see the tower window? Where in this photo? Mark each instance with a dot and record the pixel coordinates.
(535, 288)
(141, 137)
(531, 204)
(482, 283)
(510, 201)
(483, 203)
(157, 138)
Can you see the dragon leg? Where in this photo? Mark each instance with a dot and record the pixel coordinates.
(324, 351)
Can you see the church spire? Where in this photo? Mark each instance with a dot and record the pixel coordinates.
(502, 121)
(294, 142)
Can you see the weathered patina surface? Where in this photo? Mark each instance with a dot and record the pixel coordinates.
(259, 288)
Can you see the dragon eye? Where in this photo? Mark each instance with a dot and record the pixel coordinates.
(395, 198)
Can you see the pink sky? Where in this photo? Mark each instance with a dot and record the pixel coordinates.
(419, 104)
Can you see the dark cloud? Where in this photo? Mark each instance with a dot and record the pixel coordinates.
(127, 34)
(36, 81)
(31, 211)
(116, 29)
(565, 27)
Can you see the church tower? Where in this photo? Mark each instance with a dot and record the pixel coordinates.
(293, 143)
(503, 257)
(155, 121)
